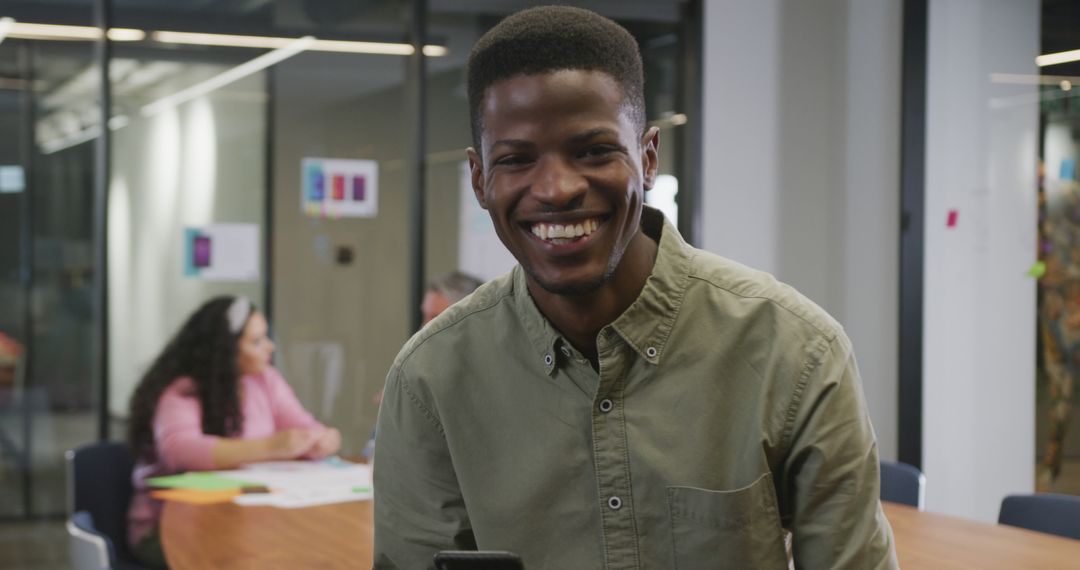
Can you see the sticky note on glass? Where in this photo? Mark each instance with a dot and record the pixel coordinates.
(1037, 270)
(950, 222)
(197, 480)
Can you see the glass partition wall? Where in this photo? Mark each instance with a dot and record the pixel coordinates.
(282, 137)
(49, 393)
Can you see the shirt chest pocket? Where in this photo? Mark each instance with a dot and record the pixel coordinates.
(727, 529)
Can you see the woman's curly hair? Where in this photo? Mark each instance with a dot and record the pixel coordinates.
(204, 350)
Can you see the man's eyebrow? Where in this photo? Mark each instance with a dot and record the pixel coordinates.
(592, 133)
(513, 143)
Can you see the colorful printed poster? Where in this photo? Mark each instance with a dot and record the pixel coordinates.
(336, 188)
(222, 252)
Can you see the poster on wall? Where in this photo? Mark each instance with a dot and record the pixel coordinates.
(339, 188)
(222, 252)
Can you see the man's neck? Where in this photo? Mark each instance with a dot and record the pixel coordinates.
(581, 317)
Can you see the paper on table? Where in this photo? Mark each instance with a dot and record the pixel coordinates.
(205, 481)
(304, 483)
(298, 498)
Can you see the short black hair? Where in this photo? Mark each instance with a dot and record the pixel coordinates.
(554, 38)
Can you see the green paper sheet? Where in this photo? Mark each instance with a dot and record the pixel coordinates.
(200, 481)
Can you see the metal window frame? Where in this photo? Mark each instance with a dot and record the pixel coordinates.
(912, 226)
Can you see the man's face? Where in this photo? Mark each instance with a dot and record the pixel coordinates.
(433, 304)
(563, 174)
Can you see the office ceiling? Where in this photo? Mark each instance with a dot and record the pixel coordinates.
(1061, 32)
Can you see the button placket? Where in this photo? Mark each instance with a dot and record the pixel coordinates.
(610, 453)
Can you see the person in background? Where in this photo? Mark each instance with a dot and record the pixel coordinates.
(212, 400)
(445, 290)
(10, 353)
(620, 399)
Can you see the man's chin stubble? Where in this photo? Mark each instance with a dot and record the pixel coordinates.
(571, 289)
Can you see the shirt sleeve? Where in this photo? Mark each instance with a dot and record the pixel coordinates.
(419, 509)
(178, 437)
(832, 470)
(288, 411)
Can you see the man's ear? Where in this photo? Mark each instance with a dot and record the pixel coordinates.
(650, 156)
(476, 174)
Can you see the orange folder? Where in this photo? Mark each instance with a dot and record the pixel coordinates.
(196, 497)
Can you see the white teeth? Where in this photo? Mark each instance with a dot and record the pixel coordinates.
(565, 232)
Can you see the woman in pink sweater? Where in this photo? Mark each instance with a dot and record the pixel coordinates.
(211, 400)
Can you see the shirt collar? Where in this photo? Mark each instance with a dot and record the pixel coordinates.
(542, 335)
(647, 322)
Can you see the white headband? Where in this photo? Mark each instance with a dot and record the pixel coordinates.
(238, 314)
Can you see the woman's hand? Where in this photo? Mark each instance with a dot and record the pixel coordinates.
(294, 443)
(329, 443)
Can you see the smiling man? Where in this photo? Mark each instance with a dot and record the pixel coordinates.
(620, 400)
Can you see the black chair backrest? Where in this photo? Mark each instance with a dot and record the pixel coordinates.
(901, 483)
(1044, 512)
(101, 485)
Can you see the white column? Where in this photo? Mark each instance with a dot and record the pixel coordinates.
(979, 320)
(801, 160)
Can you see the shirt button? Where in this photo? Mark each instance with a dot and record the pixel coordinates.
(651, 352)
(606, 405)
(565, 351)
(548, 359)
(614, 503)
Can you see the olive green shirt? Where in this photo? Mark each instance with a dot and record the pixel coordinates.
(727, 411)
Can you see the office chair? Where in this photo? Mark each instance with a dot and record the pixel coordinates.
(99, 492)
(1044, 512)
(90, 550)
(902, 483)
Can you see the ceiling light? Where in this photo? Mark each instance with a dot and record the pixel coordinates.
(1059, 57)
(55, 32)
(5, 27)
(126, 35)
(271, 42)
(243, 70)
(219, 40)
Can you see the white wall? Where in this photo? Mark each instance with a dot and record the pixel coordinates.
(979, 321)
(199, 163)
(801, 162)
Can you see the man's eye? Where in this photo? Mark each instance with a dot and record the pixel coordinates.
(512, 160)
(598, 151)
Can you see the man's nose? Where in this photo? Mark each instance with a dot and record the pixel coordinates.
(558, 183)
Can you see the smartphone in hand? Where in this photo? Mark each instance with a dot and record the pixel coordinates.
(477, 560)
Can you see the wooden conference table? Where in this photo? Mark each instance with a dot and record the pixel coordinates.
(340, 536)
